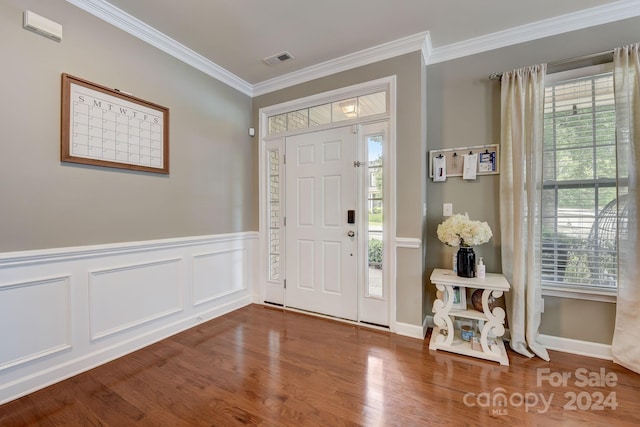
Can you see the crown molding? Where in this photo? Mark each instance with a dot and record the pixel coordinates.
(427, 49)
(120, 19)
(598, 15)
(607, 13)
(367, 56)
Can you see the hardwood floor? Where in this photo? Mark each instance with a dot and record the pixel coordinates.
(264, 366)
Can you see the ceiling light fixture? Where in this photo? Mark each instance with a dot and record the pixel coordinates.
(349, 108)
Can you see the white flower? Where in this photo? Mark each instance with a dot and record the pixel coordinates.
(460, 230)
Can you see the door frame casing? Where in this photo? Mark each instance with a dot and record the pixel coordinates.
(270, 142)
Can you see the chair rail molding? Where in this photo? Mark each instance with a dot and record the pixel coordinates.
(408, 242)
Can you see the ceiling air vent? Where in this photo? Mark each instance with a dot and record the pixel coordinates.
(278, 58)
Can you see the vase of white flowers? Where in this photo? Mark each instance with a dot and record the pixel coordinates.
(459, 231)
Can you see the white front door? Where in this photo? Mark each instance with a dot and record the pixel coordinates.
(321, 243)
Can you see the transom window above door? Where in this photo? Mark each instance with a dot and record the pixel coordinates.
(332, 112)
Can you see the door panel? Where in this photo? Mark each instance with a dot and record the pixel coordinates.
(321, 185)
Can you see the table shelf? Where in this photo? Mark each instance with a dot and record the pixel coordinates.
(491, 321)
(460, 346)
(469, 313)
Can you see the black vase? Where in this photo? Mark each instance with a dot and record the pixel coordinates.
(466, 262)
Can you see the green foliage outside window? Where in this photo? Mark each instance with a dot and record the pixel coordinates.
(375, 253)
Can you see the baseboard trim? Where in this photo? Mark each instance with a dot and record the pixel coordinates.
(413, 331)
(580, 348)
(427, 323)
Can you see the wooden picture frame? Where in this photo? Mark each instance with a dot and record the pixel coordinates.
(105, 127)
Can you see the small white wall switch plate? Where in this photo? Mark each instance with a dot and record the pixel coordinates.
(447, 209)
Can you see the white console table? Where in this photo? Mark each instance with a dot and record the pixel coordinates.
(445, 337)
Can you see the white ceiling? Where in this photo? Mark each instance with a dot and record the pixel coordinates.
(237, 34)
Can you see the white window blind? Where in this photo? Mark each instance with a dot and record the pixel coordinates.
(579, 194)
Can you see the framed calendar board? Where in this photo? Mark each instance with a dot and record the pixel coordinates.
(105, 127)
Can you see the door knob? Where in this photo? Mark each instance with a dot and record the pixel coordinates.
(351, 233)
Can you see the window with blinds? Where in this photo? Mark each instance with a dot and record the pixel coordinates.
(579, 194)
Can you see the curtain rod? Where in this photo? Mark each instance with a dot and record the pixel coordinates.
(498, 76)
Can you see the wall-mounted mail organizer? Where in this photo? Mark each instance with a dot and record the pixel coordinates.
(451, 162)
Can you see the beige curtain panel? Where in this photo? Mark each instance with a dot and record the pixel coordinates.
(522, 114)
(626, 338)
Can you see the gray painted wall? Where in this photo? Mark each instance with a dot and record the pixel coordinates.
(463, 108)
(47, 204)
(409, 155)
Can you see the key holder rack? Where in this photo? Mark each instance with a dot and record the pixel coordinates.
(488, 159)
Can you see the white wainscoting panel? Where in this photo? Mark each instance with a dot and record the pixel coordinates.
(40, 310)
(124, 297)
(67, 310)
(216, 274)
